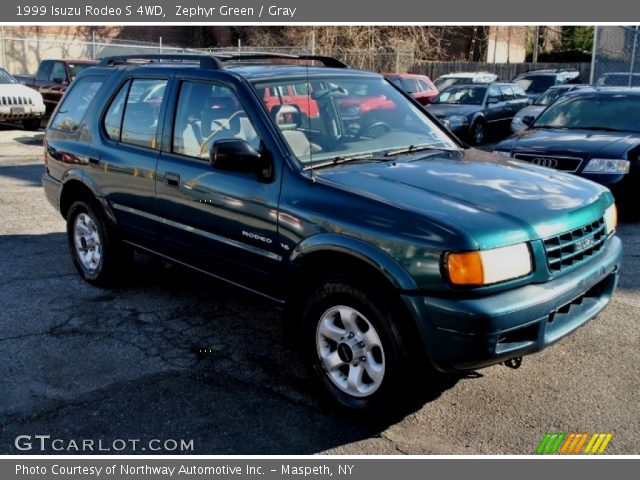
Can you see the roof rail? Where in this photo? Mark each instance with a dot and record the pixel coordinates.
(325, 60)
(214, 61)
(206, 61)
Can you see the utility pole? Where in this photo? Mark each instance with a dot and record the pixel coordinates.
(594, 51)
(536, 44)
(632, 67)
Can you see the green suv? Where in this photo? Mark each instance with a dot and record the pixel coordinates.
(393, 248)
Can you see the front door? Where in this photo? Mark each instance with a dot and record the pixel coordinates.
(223, 222)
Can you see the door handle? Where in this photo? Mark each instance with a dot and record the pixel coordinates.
(94, 161)
(171, 179)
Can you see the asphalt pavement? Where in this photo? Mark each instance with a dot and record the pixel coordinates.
(78, 362)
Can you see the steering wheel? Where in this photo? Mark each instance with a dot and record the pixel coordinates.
(225, 125)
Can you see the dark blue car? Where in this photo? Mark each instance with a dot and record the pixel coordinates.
(594, 133)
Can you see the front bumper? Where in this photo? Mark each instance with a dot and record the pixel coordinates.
(21, 112)
(477, 332)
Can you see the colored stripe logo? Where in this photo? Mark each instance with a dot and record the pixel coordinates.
(574, 443)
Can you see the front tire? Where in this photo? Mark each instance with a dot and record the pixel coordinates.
(478, 133)
(97, 253)
(354, 346)
(32, 124)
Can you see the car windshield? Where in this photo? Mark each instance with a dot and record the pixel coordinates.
(6, 77)
(347, 116)
(620, 112)
(536, 84)
(76, 68)
(550, 96)
(462, 95)
(445, 82)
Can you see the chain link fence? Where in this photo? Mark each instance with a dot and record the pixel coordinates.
(616, 56)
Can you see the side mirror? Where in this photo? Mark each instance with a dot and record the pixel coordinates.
(58, 80)
(236, 155)
(528, 120)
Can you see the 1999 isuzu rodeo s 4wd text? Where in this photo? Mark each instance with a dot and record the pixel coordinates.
(393, 247)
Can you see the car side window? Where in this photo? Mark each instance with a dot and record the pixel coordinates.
(76, 102)
(142, 112)
(58, 72)
(519, 92)
(205, 114)
(44, 70)
(494, 95)
(113, 118)
(507, 93)
(424, 86)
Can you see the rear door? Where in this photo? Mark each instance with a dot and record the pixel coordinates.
(495, 106)
(125, 167)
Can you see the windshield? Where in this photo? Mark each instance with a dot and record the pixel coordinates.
(445, 82)
(76, 68)
(536, 84)
(607, 112)
(6, 77)
(619, 79)
(347, 116)
(550, 96)
(462, 95)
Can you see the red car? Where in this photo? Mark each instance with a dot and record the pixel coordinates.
(419, 87)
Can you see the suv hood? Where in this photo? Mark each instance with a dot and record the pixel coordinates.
(583, 143)
(17, 89)
(487, 199)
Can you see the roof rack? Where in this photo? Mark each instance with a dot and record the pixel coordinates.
(215, 62)
(325, 60)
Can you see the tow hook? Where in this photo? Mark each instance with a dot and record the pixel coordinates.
(514, 362)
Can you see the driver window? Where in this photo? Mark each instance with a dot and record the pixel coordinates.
(207, 113)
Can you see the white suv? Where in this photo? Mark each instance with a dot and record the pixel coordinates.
(445, 81)
(19, 103)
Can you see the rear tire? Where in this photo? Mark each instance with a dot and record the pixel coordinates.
(96, 251)
(354, 346)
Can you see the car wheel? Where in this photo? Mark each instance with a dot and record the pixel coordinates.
(31, 124)
(354, 347)
(97, 253)
(477, 132)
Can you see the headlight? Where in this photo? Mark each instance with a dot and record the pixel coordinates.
(502, 153)
(485, 267)
(607, 165)
(457, 120)
(611, 218)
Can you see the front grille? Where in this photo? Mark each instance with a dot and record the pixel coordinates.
(566, 164)
(576, 246)
(15, 101)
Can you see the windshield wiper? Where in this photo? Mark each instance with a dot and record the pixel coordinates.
(340, 159)
(605, 129)
(419, 147)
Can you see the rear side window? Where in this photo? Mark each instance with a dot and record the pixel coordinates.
(142, 111)
(76, 102)
(113, 118)
(424, 86)
(58, 73)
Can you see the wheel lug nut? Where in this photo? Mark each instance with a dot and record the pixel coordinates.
(361, 344)
(351, 335)
(362, 359)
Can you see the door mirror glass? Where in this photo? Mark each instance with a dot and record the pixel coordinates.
(237, 155)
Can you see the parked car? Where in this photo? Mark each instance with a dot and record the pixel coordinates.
(391, 253)
(473, 111)
(19, 103)
(619, 79)
(593, 132)
(528, 114)
(419, 87)
(536, 82)
(445, 81)
(53, 78)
